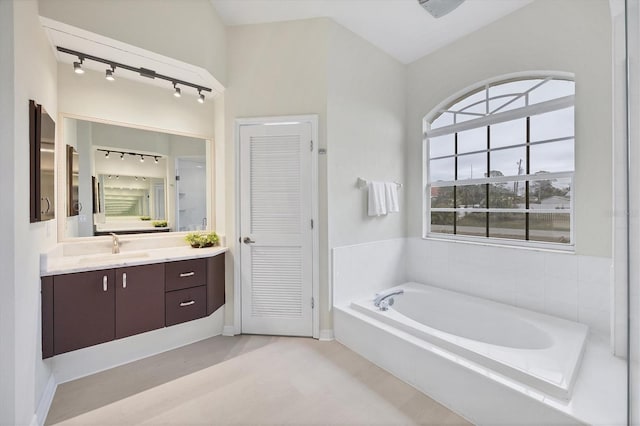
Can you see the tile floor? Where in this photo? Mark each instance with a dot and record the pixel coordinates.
(247, 380)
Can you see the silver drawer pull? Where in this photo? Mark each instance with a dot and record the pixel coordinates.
(124, 280)
(189, 303)
(104, 283)
(187, 274)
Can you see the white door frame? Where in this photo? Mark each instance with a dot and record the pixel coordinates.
(237, 284)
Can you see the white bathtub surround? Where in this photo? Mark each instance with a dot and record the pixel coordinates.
(479, 393)
(361, 269)
(562, 284)
(540, 351)
(570, 286)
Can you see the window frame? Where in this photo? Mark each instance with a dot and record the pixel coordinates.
(497, 117)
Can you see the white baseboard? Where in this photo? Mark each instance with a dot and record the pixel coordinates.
(326, 335)
(45, 402)
(229, 330)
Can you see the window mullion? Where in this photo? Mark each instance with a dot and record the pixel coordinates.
(455, 191)
(526, 185)
(488, 174)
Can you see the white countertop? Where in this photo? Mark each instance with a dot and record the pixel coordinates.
(55, 264)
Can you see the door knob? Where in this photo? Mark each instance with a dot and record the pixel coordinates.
(248, 240)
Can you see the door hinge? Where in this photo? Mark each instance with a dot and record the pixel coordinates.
(177, 178)
(312, 145)
(311, 223)
(313, 303)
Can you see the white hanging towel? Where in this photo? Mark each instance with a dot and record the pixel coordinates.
(391, 197)
(377, 198)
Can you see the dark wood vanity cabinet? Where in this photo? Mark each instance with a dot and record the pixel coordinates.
(139, 299)
(185, 274)
(83, 310)
(186, 286)
(88, 308)
(215, 283)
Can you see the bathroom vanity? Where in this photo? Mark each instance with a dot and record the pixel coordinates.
(95, 298)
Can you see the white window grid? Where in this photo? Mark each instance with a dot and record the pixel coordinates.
(491, 117)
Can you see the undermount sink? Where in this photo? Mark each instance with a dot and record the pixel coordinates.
(118, 257)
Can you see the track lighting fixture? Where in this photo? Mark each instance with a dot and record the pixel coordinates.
(138, 155)
(77, 66)
(144, 72)
(109, 73)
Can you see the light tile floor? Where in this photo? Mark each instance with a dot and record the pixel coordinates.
(246, 380)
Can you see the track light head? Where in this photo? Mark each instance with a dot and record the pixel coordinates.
(142, 158)
(122, 155)
(200, 96)
(177, 92)
(109, 74)
(155, 160)
(107, 154)
(77, 66)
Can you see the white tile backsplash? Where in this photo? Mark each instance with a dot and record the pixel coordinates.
(361, 270)
(561, 265)
(562, 284)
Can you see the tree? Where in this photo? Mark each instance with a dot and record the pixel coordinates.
(544, 188)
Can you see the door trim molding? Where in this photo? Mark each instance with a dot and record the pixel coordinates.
(237, 277)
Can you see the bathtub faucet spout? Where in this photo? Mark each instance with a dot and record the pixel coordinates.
(384, 300)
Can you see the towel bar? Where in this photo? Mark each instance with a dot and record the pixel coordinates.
(362, 183)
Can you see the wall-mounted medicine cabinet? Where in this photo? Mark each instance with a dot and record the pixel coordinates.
(42, 131)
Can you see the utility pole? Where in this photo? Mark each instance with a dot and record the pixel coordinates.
(515, 184)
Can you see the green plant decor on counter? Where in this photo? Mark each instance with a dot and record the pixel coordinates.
(201, 239)
(145, 217)
(159, 223)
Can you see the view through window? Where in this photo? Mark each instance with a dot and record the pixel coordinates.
(500, 163)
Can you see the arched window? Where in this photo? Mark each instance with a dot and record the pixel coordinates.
(500, 163)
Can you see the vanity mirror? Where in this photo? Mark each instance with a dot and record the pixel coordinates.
(129, 180)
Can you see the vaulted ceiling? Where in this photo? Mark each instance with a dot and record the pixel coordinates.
(402, 28)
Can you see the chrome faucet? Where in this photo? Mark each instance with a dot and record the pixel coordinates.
(384, 300)
(115, 248)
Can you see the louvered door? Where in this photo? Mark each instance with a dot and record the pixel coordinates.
(276, 248)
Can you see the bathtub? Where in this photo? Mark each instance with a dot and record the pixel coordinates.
(534, 349)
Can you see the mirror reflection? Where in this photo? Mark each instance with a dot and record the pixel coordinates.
(135, 181)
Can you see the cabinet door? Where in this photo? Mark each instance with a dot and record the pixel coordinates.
(83, 310)
(139, 299)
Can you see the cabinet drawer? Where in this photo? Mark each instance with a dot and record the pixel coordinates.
(185, 305)
(185, 274)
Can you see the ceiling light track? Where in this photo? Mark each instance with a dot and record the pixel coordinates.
(144, 72)
(133, 154)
